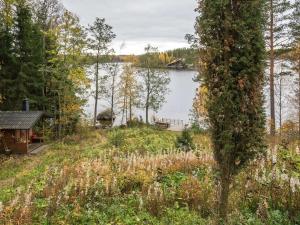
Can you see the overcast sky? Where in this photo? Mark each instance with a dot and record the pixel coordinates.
(161, 23)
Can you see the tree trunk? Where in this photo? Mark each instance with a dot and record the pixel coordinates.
(280, 105)
(148, 96)
(43, 74)
(112, 100)
(59, 117)
(130, 108)
(123, 111)
(272, 66)
(97, 90)
(147, 113)
(299, 104)
(126, 111)
(224, 196)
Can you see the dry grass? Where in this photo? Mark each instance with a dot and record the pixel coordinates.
(73, 179)
(87, 175)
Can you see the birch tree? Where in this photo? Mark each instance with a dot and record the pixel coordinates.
(154, 82)
(101, 36)
(129, 92)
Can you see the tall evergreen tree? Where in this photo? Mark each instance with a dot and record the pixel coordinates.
(232, 69)
(47, 14)
(41, 58)
(28, 49)
(7, 56)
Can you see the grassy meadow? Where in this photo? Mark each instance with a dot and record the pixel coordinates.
(137, 176)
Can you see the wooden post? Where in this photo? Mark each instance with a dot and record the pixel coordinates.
(43, 121)
(27, 137)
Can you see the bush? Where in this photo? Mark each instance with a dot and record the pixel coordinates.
(116, 138)
(182, 216)
(135, 123)
(196, 129)
(185, 141)
(244, 217)
(277, 217)
(141, 140)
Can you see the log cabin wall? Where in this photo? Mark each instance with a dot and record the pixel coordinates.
(17, 127)
(16, 140)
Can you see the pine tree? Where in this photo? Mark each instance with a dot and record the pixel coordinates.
(232, 68)
(294, 55)
(277, 35)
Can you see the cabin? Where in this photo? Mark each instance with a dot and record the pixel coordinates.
(106, 118)
(178, 64)
(18, 133)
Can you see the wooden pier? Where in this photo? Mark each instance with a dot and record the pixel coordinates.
(169, 124)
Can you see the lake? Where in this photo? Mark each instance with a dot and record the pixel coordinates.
(178, 103)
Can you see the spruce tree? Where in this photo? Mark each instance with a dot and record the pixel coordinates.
(232, 69)
(7, 56)
(28, 49)
(46, 14)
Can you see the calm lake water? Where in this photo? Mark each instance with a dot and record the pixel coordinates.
(178, 103)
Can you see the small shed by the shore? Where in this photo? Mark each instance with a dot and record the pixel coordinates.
(106, 118)
(178, 64)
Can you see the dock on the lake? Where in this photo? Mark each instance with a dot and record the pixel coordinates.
(170, 124)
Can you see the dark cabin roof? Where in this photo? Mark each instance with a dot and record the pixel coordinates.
(23, 120)
(105, 115)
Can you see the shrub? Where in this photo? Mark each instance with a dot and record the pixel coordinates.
(196, 129)
(116, 138)
(277, 217)
(182, 216)
(245, 217)
(145, 139)
(135, 123)
(185, 141)
(198, 196)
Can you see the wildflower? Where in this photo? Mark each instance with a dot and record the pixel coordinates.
(141, 203)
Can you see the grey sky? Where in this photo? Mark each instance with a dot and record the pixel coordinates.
(161, 23)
